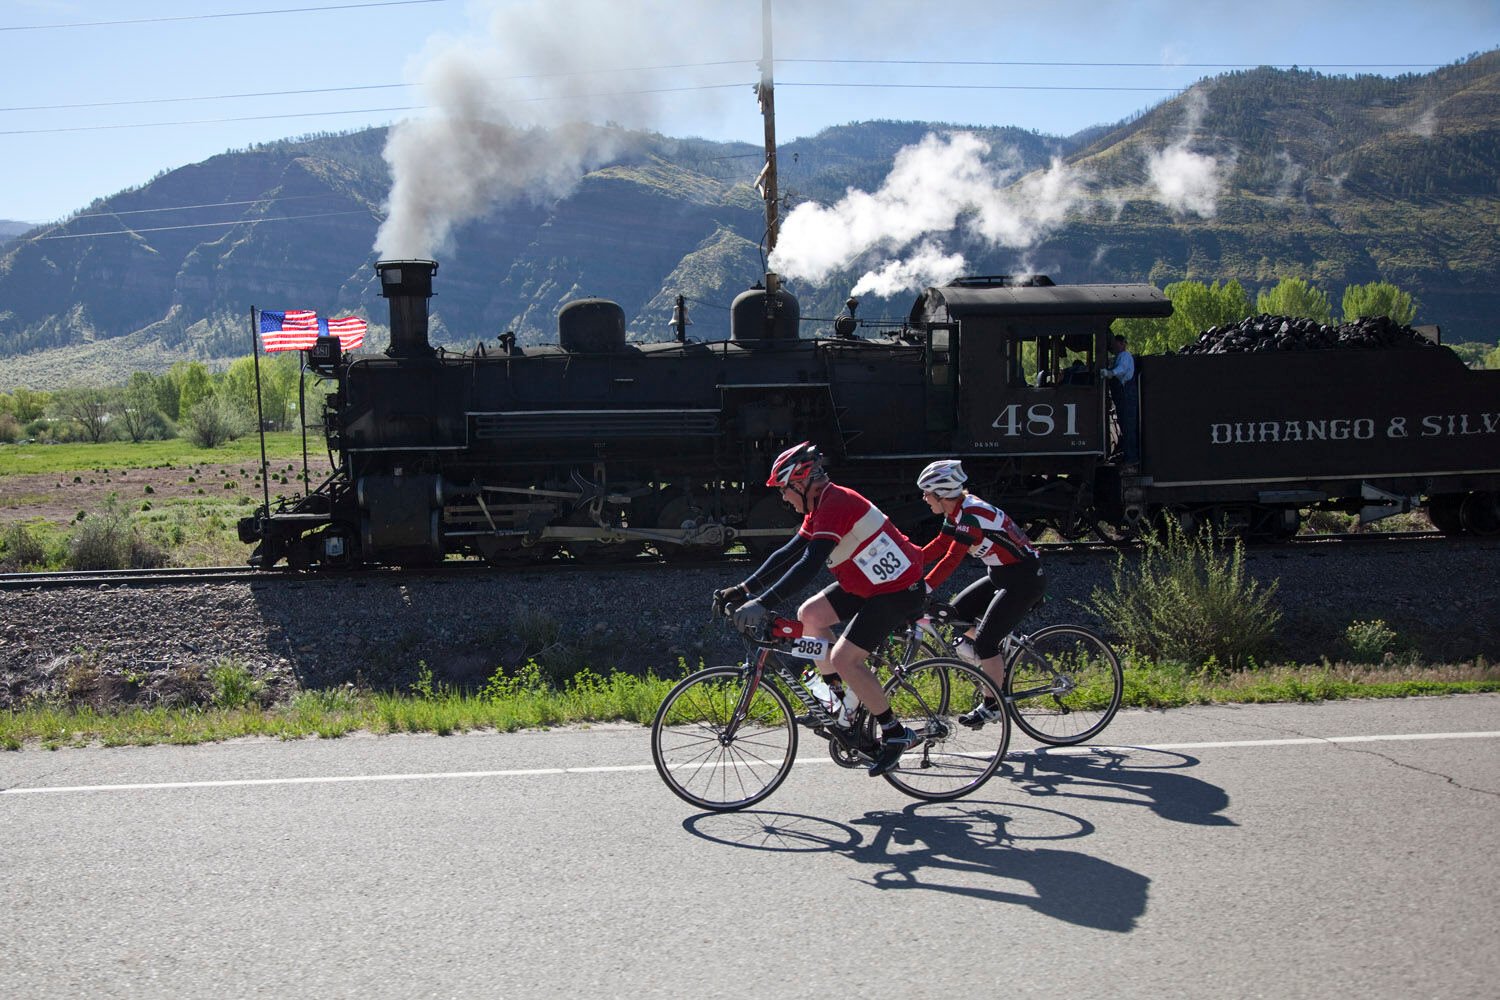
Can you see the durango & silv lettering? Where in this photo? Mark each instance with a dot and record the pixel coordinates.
(1351, 429)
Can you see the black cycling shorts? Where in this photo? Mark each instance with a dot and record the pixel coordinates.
(999, 600)
(870, 619)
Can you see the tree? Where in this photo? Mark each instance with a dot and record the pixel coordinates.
(1195, 307)
(1295, 297)
(193, 385)
(140, 416)
(90, 409)
(30, 404)
(279, 378)
(1378, 298)
(237, 388)
(169, 394)
(1492, 359)
(278, 388)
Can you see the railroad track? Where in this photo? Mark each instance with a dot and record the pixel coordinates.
(189, 576)
(131, 577)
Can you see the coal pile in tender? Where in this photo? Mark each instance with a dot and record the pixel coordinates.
(1294, 333)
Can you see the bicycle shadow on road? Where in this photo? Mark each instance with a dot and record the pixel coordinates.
(971, 849)
(1127, 775)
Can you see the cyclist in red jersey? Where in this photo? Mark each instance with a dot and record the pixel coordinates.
(1013, 580)
(878, 583)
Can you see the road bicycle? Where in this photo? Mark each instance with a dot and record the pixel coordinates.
(1063, 683)
(726, 737)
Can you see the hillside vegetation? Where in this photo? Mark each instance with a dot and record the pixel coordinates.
(1336, 180)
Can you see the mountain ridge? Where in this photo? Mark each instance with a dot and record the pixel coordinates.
(1340, 180)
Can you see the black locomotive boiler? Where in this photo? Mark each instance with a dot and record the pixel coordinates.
(603, 448)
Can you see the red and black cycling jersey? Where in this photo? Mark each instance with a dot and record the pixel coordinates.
(978, 529)
(870, 554)
(867, 554)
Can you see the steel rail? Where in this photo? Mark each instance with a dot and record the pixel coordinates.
(187, 576)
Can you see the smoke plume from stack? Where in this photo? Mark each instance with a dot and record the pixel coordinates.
(509, 106)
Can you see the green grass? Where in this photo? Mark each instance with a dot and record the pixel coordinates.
(525, 701)
(21, 459)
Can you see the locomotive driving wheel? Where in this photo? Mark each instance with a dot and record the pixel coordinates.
(510, 550)
(677, 513)
(770, 512)
(598, 552)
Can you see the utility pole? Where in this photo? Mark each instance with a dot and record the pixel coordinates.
(766, 92)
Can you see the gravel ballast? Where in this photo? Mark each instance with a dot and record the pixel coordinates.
(158, 645)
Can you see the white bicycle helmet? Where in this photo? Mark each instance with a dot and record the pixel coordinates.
(943, 478)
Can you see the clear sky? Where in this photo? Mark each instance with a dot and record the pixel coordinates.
(89, 108)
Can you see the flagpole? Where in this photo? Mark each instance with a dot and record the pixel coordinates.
(302, 419)
(260, 419)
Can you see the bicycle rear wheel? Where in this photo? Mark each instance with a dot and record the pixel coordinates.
(1064, 685)
(700, 760)
(950, 760)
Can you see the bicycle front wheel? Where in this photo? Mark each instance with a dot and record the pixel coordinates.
(720, 746)
(949, 760)
(1064, 685)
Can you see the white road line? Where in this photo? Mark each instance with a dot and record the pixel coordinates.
(539, 771)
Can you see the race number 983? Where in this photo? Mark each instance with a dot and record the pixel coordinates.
(882, 560)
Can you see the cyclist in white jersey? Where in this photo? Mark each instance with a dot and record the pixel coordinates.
(1013, 582)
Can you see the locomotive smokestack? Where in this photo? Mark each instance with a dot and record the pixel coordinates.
(408, 286)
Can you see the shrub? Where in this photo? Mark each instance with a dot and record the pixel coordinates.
(1188, 599)
(211, 422)
(234, 685)
(109, 541)
(101, 541)
(20, 548)
(10, 428)
(1369, 641)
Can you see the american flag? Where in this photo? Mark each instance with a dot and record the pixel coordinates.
(349, 329)
(292, 330)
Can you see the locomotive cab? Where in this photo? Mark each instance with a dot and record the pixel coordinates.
(1013, 363)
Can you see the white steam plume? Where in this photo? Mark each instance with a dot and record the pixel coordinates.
(928, 265)
(937, 186)
(951, 187)
(1180, 179)
(508, 107)
(1184, 181)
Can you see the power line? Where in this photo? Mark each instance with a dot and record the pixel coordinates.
(211, 97)
(195, 225)
(363, 111)
(974, 86)
(371, 86)
(209, 121)
(209, 17)
(211, 204)
(1111, 65)
(736, 62)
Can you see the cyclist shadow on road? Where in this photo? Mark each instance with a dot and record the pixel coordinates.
(1151, 778)
(976, 849)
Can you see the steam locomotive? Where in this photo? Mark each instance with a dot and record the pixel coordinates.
(602, 448)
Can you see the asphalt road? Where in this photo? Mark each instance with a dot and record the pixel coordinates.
(1330, 851)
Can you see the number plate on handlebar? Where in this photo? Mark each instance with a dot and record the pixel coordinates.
(808, 647)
